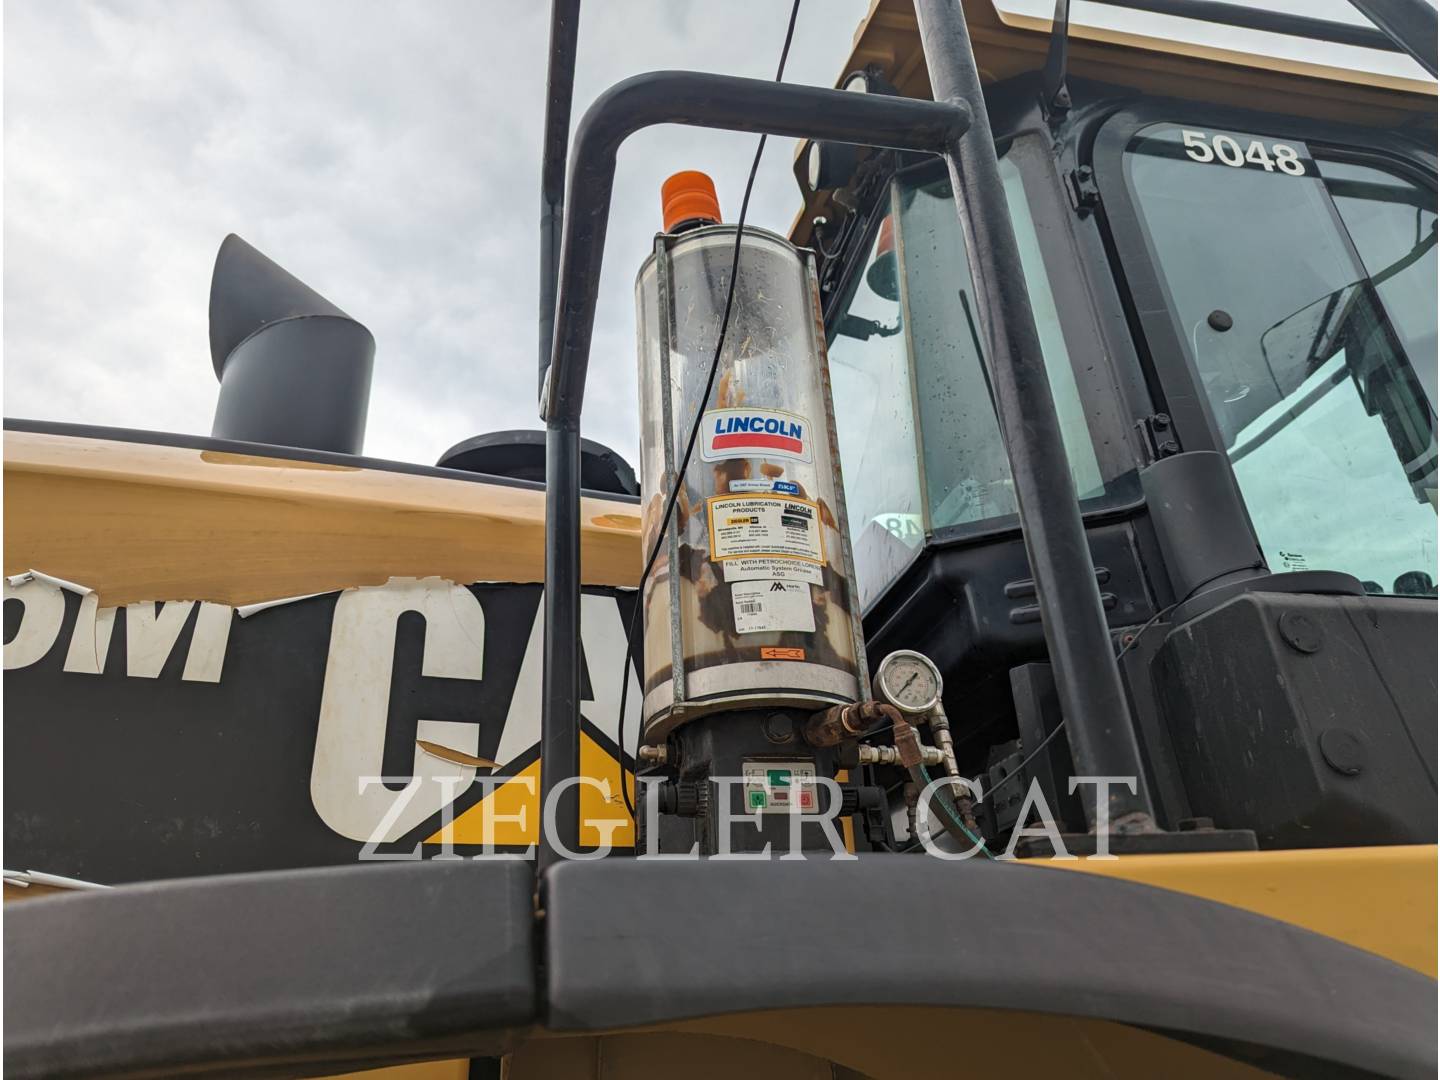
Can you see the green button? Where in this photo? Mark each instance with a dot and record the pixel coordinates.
(757, 800)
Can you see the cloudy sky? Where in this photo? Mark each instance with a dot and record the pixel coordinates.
(386, 153)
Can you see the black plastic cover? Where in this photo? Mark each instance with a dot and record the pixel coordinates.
(296, 972)
(1200, 521)
(520, 455)
(1309, 719)
(633, 942)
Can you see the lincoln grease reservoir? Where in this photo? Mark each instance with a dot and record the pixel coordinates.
(751, 602)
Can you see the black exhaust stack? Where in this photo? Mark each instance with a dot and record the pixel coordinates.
(294, 369)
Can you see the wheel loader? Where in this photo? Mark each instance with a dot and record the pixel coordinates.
(1010, 650)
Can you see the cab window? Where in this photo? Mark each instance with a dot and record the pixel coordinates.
(871, 383)
(967, 472)
(1302, 289)
(919, 441)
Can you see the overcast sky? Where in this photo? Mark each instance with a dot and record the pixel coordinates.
(386, 153)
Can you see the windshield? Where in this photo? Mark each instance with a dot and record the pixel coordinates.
(1303, 290)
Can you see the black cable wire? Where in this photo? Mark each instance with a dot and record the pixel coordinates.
(675, 488)
(1019, 770)
(1134, 639)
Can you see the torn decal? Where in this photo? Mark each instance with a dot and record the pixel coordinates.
(369, 719)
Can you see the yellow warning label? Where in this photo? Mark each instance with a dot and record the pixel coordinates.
(770, 526)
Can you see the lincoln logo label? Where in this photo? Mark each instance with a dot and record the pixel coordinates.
(732, 433)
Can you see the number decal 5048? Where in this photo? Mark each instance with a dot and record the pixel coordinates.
(1226, 149)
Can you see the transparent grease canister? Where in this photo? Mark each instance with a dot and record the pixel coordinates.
(751, 602)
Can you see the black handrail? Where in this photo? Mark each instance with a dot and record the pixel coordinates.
(1399, 26)
(559, 89)
(702, 100)
(1410, 24)
(1248, 17)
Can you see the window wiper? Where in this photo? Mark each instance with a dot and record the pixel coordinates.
(1407, 260)
(1339, 305)
(853, 326)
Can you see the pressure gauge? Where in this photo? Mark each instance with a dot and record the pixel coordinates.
(909, 681)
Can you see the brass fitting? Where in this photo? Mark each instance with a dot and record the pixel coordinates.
(834, 725)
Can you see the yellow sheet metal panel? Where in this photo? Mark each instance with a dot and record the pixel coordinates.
(141, 522)
(30, 892)
(879, 1042)
(454, 1069)
(1381, 899)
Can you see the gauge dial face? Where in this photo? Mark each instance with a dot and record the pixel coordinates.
(909, 681)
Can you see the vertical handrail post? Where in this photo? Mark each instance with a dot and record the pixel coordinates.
(1092, 699)
(560, 685)
(559, 91)
(560, 735)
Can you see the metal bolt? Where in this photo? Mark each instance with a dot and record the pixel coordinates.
(1343, 750)
(1301, 632)
(779, 729)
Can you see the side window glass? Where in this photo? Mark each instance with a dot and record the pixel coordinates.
(920, 445)
(875, 421)
(1304, 294)
(967, 472)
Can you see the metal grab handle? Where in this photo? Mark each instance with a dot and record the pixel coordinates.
(701, 100)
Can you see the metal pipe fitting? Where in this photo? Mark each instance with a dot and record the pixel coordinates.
(889, 755)
(940, 728)
(835, 725)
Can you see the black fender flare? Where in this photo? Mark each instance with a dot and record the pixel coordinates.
(272, 973)
(634, 942)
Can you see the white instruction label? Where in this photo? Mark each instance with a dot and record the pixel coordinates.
(1293, 560)
(772, 606)
(780, 526)
(739, 486)
(762, 569)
